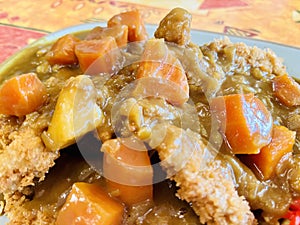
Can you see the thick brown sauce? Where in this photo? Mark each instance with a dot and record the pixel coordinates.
(71, 167)
(48, 196)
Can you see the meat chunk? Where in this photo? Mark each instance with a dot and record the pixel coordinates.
(202, 180)
(175, 27)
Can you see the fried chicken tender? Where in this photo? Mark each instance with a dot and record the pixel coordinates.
(201, 178)
(23, 155)
(19, 214)
(24, 159)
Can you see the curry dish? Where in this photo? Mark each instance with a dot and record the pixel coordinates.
(111, 126)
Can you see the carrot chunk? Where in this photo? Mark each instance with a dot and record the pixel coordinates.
(90, 204)
(22, 95)
(244, 121)
(129, 173)
(119, 32)
(266, 161)
(96, 56)
(62, 51)
(135, 23)
(287, 90)
(158, 62)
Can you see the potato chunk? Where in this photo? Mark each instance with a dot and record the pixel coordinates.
(75, 114)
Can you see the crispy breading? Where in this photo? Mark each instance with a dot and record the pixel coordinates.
(24, 156)
(8, 125)
(24, 159)
(21, 215)
(201, 178)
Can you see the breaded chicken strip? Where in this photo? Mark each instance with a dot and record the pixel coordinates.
(24, 159)
(23, 155)
(201, 179)
(19, 214)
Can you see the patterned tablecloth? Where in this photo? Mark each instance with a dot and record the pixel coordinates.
(22, 21)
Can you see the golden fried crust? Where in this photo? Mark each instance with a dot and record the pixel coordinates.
(20, 215)
(244, 57)
(8, 125)
(23, 155)
(24, 159)
(202, 180)
(214, 197)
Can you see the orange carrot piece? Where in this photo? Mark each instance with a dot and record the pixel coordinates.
(119, 32)
(158, 62)
(287, 90)
(62, 51)
(266, 161)
(22, 95)
(245, 122)
(135, 23)
(129, 173)
(90, 204)
(96, 56)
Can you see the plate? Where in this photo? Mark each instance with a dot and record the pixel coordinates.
(290, 55)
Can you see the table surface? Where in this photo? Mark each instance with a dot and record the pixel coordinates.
(22, 22)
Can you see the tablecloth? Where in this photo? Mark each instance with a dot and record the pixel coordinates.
(22, 21)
